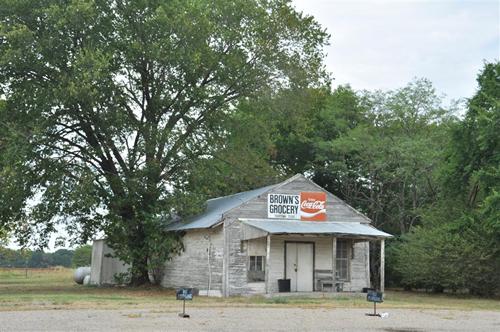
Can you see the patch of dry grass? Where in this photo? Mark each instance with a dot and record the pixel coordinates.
(55, 289)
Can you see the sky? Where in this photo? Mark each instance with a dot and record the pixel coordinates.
(385, 44)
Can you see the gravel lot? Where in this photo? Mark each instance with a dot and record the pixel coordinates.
(249, 319)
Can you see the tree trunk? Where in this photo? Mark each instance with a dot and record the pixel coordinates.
(140, 273)
(136, 247)
(139, 250)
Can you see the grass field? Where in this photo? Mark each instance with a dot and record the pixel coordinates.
(55, 289)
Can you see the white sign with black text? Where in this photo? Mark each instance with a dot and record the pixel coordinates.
(283, 206)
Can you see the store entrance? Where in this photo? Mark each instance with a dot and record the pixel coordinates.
(299, 266)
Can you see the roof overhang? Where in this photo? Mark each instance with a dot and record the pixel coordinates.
(256, 228)
(190, 226)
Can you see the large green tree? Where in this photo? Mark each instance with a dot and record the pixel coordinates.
(458, 245)
(386, 165)
(107, 103)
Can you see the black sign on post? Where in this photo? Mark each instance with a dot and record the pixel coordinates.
(375, 297)
(184, 294)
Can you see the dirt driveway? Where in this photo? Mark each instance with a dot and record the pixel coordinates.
(249, 319)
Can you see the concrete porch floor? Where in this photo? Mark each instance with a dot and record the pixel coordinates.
(317, 294)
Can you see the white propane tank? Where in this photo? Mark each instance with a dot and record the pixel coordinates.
(86, 280)
(81, 273)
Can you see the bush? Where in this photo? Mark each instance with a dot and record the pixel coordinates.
(460, 254)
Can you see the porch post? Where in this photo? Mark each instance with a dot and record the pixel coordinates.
(268, 256)
(334, 263)
(382, 265)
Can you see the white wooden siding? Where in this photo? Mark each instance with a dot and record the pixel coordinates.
(103, 269)
(191, 268)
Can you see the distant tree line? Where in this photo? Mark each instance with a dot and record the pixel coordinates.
(81, 256)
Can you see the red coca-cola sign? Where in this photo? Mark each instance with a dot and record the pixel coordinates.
(313, 206)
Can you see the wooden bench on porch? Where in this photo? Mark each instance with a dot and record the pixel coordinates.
(324, 279)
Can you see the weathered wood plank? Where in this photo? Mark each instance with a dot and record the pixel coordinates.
(193, 267)
(382, 265)
(268, 262)
(334, 260)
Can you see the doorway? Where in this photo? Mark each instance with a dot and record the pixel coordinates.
(299, 265)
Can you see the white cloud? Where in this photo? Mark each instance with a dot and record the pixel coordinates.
(384, 44)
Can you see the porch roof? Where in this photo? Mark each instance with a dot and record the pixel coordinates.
(262, 227)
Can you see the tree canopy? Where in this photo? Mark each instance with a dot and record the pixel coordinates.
(108, 103)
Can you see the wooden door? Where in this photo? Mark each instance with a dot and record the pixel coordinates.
(299, 266)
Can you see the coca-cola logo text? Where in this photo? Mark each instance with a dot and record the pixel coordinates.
(313, 204)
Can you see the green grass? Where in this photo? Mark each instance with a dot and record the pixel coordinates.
(55, 289)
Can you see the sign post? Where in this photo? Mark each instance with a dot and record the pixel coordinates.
(375, 297)
(184, 294)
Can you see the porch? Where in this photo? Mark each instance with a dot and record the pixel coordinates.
(317, 295)
(312, 258)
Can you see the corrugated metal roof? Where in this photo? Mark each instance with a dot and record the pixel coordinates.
(274, 226)
(216, 207)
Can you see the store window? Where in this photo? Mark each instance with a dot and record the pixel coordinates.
(342, 262)
(256, 268)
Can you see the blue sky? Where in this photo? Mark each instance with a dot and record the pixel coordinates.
(384, 44)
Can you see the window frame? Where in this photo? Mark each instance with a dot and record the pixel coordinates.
(256, 263)
(253, 262)
(345, 248)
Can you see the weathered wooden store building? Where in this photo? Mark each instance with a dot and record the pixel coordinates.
(292, 236)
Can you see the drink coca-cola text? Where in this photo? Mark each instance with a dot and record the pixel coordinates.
(313, 204)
